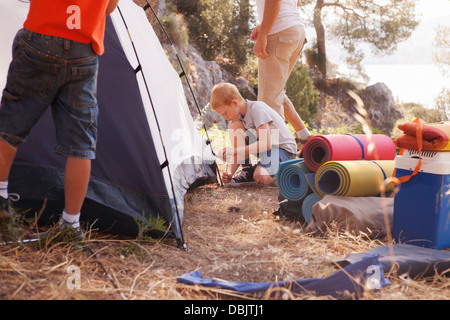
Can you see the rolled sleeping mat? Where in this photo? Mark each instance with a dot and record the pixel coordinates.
(308, 202)
(354, 178)
(311, 178)
(435, 136)
(323, 148)
(291, 180)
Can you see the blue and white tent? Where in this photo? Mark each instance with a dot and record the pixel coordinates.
(149, 152)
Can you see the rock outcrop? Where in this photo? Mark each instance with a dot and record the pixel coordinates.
(337, 107)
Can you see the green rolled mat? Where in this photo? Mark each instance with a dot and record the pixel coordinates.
(354, 178)
(291, 180)
(307, 204)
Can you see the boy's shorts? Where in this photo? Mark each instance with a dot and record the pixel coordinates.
(271, 159)
(54, 71)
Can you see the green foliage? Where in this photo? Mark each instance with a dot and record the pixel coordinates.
(441, 54)
(251, 71)
(312, 59)
(131, 249)
(443, 104)
(12, 229)
(413, 110)
(219, 27)
(176, 30)
(382, 24)
(148, 225)
(378, 23)
(322, 130)
(416, 110)
(359, 130)
(303, 94)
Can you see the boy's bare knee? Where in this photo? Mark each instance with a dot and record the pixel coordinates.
(234, 125)
(263, 179)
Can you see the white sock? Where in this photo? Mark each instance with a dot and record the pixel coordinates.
(72, 218)
(302, 134)
(4, 189)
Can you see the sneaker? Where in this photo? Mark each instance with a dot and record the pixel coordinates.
(62, 231)
(245, 177)
(6, 210)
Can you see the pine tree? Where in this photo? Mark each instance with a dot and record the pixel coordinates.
(380, 24)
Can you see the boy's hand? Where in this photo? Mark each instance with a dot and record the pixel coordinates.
(226, 177)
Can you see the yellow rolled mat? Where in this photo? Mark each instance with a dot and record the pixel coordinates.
(354, 178)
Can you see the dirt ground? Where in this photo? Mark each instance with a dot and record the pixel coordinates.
(231, 234)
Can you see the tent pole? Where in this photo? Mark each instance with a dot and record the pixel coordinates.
(181, 243)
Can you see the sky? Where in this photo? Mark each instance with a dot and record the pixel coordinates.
(433, 8)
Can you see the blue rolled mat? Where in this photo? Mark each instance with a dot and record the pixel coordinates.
(311, 178)
(307, 205)
(291, 180)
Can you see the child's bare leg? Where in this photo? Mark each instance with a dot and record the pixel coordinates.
(236, 132)
(76, 181)
(7, 154)
(261, 176)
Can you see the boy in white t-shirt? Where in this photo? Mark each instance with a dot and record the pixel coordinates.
(270, 139)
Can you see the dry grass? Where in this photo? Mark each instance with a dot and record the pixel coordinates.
(231, 234)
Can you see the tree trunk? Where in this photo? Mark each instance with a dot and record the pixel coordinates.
(320, 33)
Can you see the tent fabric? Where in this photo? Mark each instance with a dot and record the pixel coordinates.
(354, 178)
(291, 180)
(323, 148)
(405, 259)
(435, 136)
(148, 153)
(370, 215)
(349, 282)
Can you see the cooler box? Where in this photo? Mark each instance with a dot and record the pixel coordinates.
(422, 205)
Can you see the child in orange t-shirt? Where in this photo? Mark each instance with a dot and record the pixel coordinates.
(55, 62)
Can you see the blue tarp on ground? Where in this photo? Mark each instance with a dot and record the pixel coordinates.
(347, 283)
(412, 260)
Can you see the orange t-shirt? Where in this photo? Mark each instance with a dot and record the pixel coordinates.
(78, 20)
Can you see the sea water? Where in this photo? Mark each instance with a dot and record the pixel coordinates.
(419, 83)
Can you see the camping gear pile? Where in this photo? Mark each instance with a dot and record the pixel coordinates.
(345, 176)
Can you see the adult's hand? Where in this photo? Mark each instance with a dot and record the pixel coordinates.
(260, 43)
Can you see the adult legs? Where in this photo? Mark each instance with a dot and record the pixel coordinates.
(284, 49)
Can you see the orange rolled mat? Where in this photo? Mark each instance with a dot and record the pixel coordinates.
(435, 136)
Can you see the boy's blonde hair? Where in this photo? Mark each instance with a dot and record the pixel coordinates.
(223, 94)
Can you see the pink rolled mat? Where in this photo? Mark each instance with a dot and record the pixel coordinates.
(322, 148)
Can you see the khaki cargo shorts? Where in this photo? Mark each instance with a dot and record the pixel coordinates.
(283, 49)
